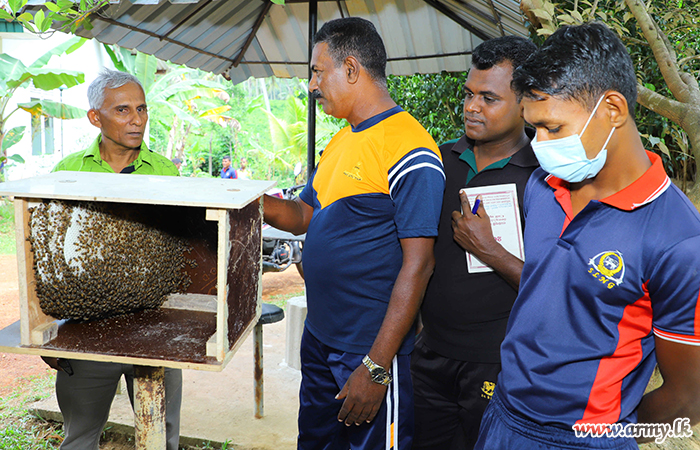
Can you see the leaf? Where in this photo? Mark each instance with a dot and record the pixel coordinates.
(53, 109)
(39, 17)
(566, 19)
(16, 5)
(602, 15)
(115, 60)
(66, 47)
(12, 137)
(549, 7)
(145, 69)
(16, 158)
(6, 15)
(576, 15)
(52, 7)
(49, 79)
(541, 14)
(11, 69)
(650, 86)
(653, 140)
(664, 149)
(278, 2)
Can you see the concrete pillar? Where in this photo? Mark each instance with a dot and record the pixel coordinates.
(295, 317)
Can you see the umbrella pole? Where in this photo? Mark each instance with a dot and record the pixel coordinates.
(311, 119)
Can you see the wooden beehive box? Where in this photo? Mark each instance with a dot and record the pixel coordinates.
(220, 219)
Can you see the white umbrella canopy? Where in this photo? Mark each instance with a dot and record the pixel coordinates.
(243, 38)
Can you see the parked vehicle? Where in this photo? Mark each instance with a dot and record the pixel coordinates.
(281, 249)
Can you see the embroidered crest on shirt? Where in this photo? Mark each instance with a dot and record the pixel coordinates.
(355, 172)
(487, 389)
(608, 268)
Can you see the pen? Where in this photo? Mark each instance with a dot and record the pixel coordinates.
(476, 205)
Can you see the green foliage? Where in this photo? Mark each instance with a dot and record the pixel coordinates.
(21, 431)
(680, 22)
(14, 74)
(7, 227)
(52, 109)
(435, 100)
(59, 15)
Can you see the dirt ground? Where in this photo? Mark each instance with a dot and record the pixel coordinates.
(16, 369)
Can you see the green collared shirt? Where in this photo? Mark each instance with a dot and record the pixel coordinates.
(89, 160)
(468, 157)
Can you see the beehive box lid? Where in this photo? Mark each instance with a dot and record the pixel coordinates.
(148, 189)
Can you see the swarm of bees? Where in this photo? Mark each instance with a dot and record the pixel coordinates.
(91, 263)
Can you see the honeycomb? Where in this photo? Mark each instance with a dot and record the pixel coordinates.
(94, 260)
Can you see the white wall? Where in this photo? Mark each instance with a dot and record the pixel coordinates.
(69, 135)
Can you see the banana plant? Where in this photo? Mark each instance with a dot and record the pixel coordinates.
(187, 93)
(15, 75)
(289, 134)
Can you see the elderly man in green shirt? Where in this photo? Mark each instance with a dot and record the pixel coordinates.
(85, 389)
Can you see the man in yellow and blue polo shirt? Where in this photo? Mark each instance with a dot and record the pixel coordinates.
(85, 389)
(370, 212)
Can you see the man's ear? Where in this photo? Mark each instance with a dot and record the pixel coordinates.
(352, 69)
(617, 108)
(94, 118)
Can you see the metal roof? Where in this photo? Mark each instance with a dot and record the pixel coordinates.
(243, 38)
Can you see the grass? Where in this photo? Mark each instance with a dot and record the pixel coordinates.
(281, 300)
(20, 430)
(7, 227)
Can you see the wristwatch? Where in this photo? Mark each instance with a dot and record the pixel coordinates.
(376, 372)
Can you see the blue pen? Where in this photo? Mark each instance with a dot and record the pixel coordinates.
(476, 206)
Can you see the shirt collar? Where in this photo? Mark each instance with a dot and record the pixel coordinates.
(643, 190)
(368, 123)
(524, 157)
(93, 152)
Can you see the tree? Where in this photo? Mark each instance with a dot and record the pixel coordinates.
(435, 100)
(61, 15)
(663, 38)
(14, 75)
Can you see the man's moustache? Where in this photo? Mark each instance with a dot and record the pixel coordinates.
(315, 94)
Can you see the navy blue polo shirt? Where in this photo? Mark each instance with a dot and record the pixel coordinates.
(595, 291)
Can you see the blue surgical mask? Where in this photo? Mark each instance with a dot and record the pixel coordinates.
(566, 158)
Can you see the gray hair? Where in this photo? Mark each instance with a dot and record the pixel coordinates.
(108, 79)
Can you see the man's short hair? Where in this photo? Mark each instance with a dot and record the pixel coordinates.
(176, 161)
(581, 63)
(108, 79)
(226, 157)
(514, 49)
(354, 36)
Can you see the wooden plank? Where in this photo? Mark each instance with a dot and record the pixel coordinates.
(10, 343)
(223, 253)
(44, 333)
(244, 269)
(149, 408)
(143, 189)
(30, 312)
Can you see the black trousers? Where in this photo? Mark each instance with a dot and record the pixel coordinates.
(450, 398)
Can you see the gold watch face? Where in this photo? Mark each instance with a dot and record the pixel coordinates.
(380, 376)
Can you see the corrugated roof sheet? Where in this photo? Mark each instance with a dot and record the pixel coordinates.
(421, 36)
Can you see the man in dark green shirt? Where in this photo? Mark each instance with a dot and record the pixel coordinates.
(85, 389)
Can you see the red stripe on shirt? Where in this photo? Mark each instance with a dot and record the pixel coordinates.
(604, 401)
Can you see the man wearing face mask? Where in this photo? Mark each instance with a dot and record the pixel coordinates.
(610, 285)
